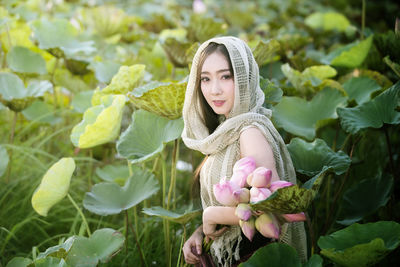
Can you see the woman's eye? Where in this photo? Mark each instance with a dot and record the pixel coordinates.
(204, 79)
(226, 76)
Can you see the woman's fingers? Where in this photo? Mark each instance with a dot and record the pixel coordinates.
(217, 233)
(189, 256)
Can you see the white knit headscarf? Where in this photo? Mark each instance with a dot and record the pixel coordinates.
(222, 146)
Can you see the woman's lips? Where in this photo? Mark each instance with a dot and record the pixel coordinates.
(218, 103)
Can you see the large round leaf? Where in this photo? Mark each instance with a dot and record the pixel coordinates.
(82, 101)
(310, 158)
(202, 28)
(110, 198)
(19, 262)
(22, 59)
(364, 198)
(58, 251)
(273, 94)
(115, 173)
(50, 262)
(146, 136)
(351, 55)
(126, 79)
(14, 94)
(314, 261)
(292, 199)
(361, 244)
(266, 52)
(100, 247)
(176, 51)
(328, 21)
(42, 112)
(100, 124)
(181, 217)
(274, 255)
(60, 37)
(164, 99)
(303, 118)
(104, 70)
(361, 88)
(374, 113)
(54, 186)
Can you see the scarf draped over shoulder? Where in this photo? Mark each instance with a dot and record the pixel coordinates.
(222, 146)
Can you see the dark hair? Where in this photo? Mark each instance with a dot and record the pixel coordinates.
(210, 117)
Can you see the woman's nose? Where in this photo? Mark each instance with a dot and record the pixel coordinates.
(215, 88)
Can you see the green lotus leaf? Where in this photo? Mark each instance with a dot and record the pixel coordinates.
(41, 112)
(54, 186)
(107, 20)
(126, 79)
(115, 173)
(291, 199)
(77, 66)
(100, 124)
(303, 118)
(4, 160)
(364, 198)
(351, 55)
(147, 135)
(100, 247)
(176, 51)
(310, 158)
(191, 52)
(393, 65)
(278, 255)
(164, 99)
(202, 28)
(310, 77)
(273, 94)
(23, 60)
(110, 198)
(50, 262)
(266, 52)
(82, 101)
(19, 262)
(181, 217)
(59, 251)
(15, 96)
(328, 21)
(361, 244)
(314, 261)
(361, 88)
(74, 83)
(105, 70)
(60, 38)
(374, 113)
(19, 33)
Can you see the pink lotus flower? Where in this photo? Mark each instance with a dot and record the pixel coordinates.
(279, 184)
(248, 228)
(199, 6)
(243, 211)
(297, 217)
(267, 225)
(258, 194)
(242, 195)
(223, 192)
(242, 169)
(260, 177)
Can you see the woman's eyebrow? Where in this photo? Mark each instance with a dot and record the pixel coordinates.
(218, 71)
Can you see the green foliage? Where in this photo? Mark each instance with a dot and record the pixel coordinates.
(360, 88)
(361, 244)
(4, 160)
(181, 218)
(328, 21)
(21, 59)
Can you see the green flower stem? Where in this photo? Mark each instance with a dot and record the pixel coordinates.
(363, 19)
(142, 261)
(385, 130)
(126, 232)
(11, 141)
(172, 183)
(165, 222)
(54, 87)
(80, 213)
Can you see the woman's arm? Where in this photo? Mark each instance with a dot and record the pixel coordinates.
(254, 144)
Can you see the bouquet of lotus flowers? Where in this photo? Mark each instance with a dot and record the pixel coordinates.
(249, 185)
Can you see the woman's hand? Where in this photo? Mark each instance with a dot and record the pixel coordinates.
(195, 240)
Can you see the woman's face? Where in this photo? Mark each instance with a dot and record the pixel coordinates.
(217, 83)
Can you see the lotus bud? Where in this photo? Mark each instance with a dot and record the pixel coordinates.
(243, 211)
(260, 177)
(199, 6)
(239, 177)
(223, 192)
(248, 228)
(267, 225)
(242, 195)
(258, 194)
(246, 165)
(279, 184)
(297, 217)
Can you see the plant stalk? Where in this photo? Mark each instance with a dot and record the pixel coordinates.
(143, 262)
(363, 19)
(385, 130)
(173, 172)
(11, 141)
(80, 213)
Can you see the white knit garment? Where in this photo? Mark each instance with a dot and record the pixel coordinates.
(223, 147)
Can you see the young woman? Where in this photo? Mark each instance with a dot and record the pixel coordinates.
(224, 119)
